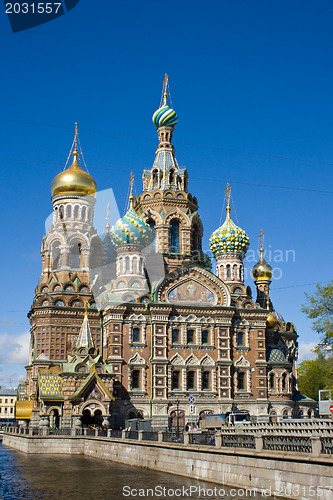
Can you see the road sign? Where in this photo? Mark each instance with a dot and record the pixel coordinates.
(192, 409)
(331, 408)
(191, 400)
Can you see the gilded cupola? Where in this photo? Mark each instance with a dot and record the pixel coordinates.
(262, 271)
(74, 179)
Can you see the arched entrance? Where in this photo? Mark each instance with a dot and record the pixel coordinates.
(176, 421)
(55, 419)
(92, 418)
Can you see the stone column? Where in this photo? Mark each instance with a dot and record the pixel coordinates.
(316, 446)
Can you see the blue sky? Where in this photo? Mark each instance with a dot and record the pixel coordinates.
(251, 82)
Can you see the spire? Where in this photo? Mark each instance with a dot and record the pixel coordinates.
(165, 92)
(261, 236)
(75, 150)
(228, 190)
(85, 338)
(107, 227)
(73, 179)
(131, 196)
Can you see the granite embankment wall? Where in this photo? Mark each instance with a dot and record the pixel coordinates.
(298, 477)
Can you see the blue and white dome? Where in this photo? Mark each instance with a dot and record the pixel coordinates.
(130, 229)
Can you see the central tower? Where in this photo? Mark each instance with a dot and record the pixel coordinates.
(165, 203)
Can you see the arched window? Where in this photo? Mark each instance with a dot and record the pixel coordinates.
(83, 213)
(240, 338)
(56, 255)
(171, 177)
(76, 212)
(136, 335)
(272, 381)
(174, 236)
(228, 271)
(68, 211)
(175, 381)
(127, 264)
(284, 382)
(190, 380)
(204, 337)
(75, 254)
(205, 380)
(155, 178)
(175, 336)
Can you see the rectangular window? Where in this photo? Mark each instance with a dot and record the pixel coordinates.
(175, 336)
(190, 380)
(241, 381)
(205, 381)
(190, 336)
(240, 338)
(136, 379)
(175, 380)
(136, 335)
(204, 337)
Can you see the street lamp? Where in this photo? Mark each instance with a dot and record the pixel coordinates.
(177, 419)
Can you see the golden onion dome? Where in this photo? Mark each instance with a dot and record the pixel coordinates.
(73, 180)
(271, 320)
(262, 270)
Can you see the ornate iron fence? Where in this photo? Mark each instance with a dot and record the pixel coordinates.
(173, 437)
(150, 436)
(327, 445)
(238, 441)
(206, 438)
(298, 444)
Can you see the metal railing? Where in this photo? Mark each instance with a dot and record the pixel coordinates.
(298, 444)
(173, 437)
(150, 436)
(327, 445)
(206, 438)
(306, 443)
(238, 441)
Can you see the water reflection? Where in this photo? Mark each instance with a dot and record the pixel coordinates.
(77, 477)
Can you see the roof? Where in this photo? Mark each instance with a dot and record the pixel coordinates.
(93, 376)
(50, 386)
(8, 392)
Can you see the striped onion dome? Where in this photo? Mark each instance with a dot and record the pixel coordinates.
(130, 229)
(165, 117)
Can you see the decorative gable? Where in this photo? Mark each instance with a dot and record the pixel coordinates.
(192, 285)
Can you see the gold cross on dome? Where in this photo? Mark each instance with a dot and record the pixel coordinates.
(261, 238)
(228, 190)
(165, 92)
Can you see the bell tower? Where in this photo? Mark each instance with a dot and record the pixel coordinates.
(165, 203)
(69, 250)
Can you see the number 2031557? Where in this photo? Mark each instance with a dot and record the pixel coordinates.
(33, 8)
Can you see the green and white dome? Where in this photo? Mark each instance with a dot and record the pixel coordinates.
(229, 238)
(130, 229)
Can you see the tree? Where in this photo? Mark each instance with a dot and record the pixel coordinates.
(315, 374)
(319, 307)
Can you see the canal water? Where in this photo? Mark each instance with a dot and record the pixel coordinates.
(77, 477)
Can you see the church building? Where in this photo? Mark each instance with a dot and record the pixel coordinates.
(132, 323)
